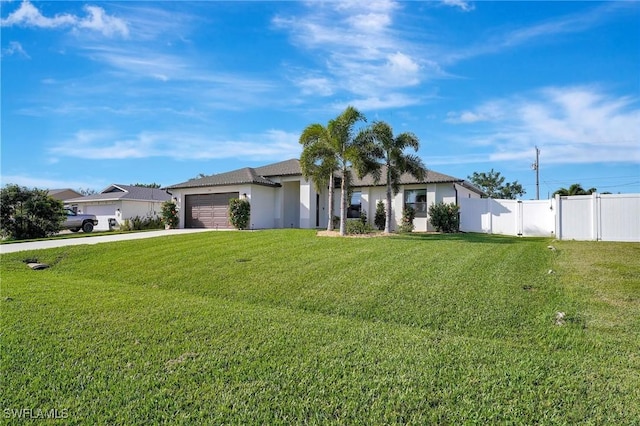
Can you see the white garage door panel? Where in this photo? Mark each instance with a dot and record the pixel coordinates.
(103, 213)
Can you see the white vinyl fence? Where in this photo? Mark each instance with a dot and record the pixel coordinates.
(585, 217)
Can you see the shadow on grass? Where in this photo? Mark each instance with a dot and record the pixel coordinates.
(463, 237)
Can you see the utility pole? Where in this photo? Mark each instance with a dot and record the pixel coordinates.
(536, 166)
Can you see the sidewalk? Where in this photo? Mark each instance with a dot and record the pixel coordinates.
(38, 245)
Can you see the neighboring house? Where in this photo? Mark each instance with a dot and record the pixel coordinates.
(64, 194)
(121, 202)
(281, 198)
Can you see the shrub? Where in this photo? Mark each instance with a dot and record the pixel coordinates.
(239, 213)
(407, 219)
(445, 217)
(363, 217)
(141, 223)
(358, 227)
(381, 216)
(29, 213)
(170, 214)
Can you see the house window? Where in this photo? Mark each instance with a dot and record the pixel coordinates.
(353, 212)
(416, 199)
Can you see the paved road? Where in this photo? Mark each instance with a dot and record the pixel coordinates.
(37, 245)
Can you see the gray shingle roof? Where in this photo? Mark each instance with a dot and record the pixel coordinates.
(283, 168)
(430, 177)
(246, 175)
(407, 179)
(261, 175)
(116, 192)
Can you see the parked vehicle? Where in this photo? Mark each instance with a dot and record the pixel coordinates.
(75, 221)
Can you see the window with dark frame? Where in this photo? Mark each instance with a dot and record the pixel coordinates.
(355, 206)
(416, 199)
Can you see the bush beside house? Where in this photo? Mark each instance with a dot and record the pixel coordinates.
(239, 213)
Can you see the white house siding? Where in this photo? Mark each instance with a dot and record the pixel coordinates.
(262, 199)
(465, 193)
(143, 209)
(436, 192)
(307, 213)
(291, 204)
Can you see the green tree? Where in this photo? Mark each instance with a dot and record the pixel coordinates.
(390, 150)
(318, 160)
(408, 215)
(380, 217)
(575, 189)
(335, 149)
(29, 213)
(352, 155)
(170, 214)
(87, 191)
(147, 185)
(494, 186)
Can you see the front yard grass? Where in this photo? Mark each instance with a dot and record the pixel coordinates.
(283, 327)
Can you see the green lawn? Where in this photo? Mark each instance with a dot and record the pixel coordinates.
(283, 327)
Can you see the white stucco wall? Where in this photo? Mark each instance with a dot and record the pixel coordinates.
(262, 199)
(295, 203)
(465, 193)
(307, 213)
(142, 209)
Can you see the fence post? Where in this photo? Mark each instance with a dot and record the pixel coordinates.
(558, 217)
(519, 219)
(597, 219)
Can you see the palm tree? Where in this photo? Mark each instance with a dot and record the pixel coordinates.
(575, 189)
(334, 149)
(395, 162)
(318, 160)
(350, 155)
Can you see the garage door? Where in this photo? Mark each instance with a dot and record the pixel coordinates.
(208, 210)
(103, 213)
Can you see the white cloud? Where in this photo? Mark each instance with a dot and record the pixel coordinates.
(540, 31)
(105, 145)
(489, 111)
(28, 15)
(576, 124)
(362, 53)
(393, 100)
(98, 20)
(315, 86)
(15, 48)
(464, 5)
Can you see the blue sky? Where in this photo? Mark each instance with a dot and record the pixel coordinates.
(95, 93)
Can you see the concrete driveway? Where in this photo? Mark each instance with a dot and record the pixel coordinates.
(38, 245)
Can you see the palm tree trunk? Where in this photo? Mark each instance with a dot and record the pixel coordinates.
(387, 222)
(343, 203)
(330, 203)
